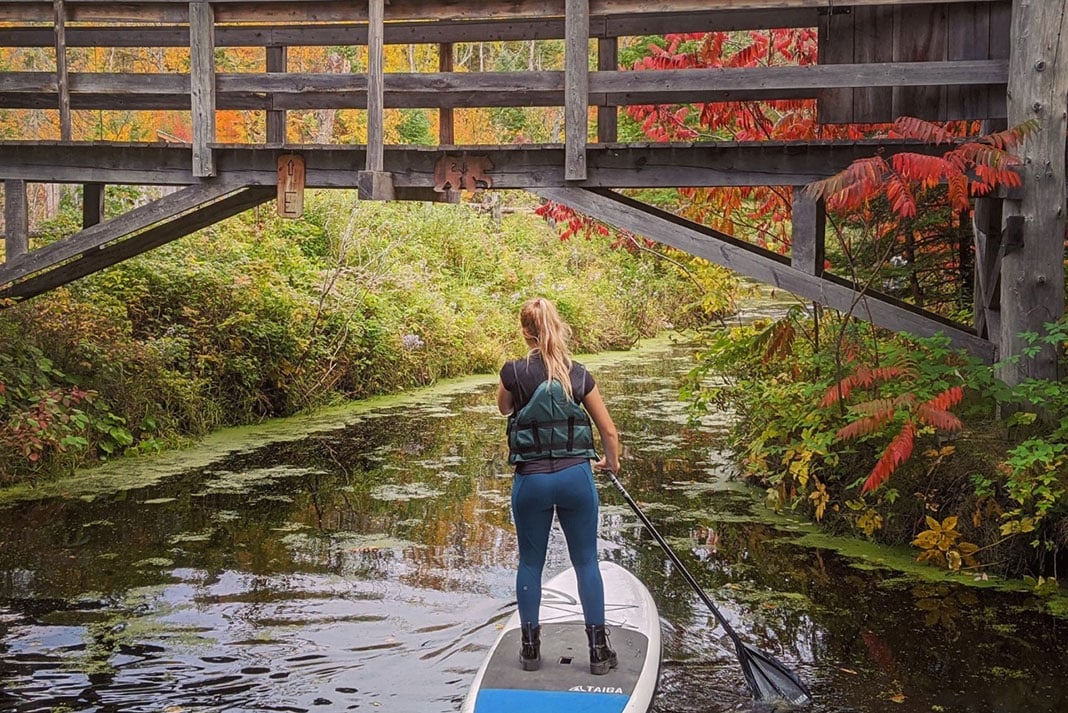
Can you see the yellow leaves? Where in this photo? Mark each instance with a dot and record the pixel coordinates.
(799, 465)
(942, 545)
(819, 498)
(1020, 526)
(869, 522)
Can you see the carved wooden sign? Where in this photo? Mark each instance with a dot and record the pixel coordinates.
(290, 185)
(462, 173)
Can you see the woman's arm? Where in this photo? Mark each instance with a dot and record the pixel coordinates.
(606, 428)
(504, 400)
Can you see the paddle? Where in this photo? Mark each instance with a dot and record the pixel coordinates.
(768, 678)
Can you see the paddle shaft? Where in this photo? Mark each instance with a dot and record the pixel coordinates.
(675, 558)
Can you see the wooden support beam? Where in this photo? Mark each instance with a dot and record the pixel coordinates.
(16, 221)
(809, 233)
(765, 266)
(276, 118)
(202, 85)
(607, 116)
(154, 237)
(1032, 278)
(61, 69)
(720, 163)
(92, 204)
(986, 300)
(576, 88)
(97, 236)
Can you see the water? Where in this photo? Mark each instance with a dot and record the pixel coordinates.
(368, 565)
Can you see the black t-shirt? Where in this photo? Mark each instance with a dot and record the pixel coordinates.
(522, 377)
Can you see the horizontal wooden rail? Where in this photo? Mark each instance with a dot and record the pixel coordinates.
(297, 11)
(492, 89)
(413, 32)
(524, 166)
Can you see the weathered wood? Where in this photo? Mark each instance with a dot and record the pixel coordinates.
(375, 87)
(764, 265)
(277, 61)
(326, 11)
(92, 204)
(969, 30)
(292, 34)
(576, 88)
(431, 89)
(154, 237)
(446, 126)
(920, 34)
(16, 221)
(607, 116)
(202, 85)
(375, 186)
(1032, 278)
(808, 233)
(61, 70)
(96, 236)
(291, 182)
(871, 24)
(520, 166)
(836, 47)
(986, 223)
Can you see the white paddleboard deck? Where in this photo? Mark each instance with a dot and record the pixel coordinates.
(564, 682)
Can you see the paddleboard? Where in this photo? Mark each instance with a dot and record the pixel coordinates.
(564, 682)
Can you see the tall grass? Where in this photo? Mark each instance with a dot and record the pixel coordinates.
(259, 317)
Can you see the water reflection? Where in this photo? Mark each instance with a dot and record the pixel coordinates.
(369, 566)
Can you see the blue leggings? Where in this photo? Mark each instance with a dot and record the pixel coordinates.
(573, 496)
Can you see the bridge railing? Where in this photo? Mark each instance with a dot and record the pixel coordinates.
(941, 60)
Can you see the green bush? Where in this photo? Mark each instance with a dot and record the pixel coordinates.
(258, 317)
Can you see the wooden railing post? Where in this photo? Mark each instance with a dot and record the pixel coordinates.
(276, 118)
(202, 85)
(92, 204)
(607, 116)
(446, 128)
(808, 241)
(16, 219)
(62, 82)
(576, 88)
(374, 183)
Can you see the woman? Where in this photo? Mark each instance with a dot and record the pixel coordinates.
(550, 441)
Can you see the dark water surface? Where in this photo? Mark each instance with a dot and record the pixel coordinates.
(368, 566)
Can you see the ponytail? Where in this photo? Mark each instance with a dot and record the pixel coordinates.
(542, 324)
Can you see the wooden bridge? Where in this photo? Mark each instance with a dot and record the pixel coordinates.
(993, 60)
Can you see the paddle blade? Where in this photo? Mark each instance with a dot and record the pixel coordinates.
(769, 679)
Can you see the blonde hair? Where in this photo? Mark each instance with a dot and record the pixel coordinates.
(543, 324)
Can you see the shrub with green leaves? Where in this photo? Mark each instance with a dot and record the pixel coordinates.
(258, 317)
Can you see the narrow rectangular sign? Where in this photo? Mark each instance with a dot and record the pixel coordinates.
(290, 185)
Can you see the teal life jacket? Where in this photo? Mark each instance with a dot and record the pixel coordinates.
(550, 425)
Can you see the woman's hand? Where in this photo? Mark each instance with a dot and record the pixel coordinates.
(603, 464)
